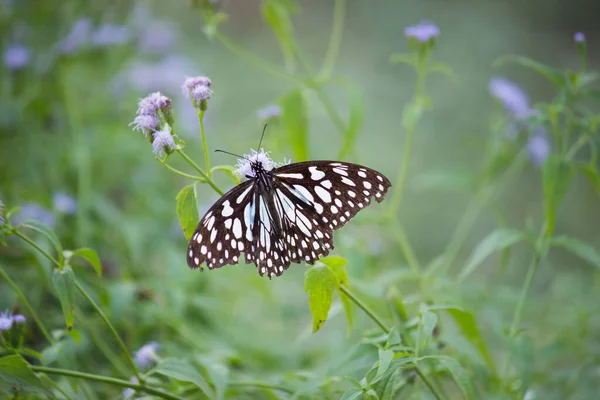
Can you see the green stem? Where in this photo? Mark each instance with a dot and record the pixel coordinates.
(111, 328)
(406, 248)
(181, 173)
(260, 385)
(37, 247)
(204, 146)
(335, 40)
(256, 61)
(403, 172)
(576, 146)
(23, 299)
(104, 379)
(56, 386)
(428, 383)
(202, 173)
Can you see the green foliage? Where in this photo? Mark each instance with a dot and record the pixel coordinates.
(64, 282)
(294, 119)
(320, 284)
(187, 210)
(557, 176)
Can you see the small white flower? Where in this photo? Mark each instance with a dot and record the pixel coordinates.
(201, 93)
(6, 320)
(245, 165)
(163, 140)
(150, 104)
(146, 124)
(146, 355)
(192, 82)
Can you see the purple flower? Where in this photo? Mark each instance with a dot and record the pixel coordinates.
(423, 31)
(158, 38)
(110, 34)
(151, 104)
(37, 212)
(201, 93)
(16, 56)
(127, 393)
(64, 203)
(146, 124)
(77, 36)
(272, 111)
(579, 37)
(198, 89)
(192, 82)
(146, 355)
(512, 97)
(7, 320)
(163, 140)
(19, 319)
(538, 146)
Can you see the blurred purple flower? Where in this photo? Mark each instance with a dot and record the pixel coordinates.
(272, 111)
(146, 355)
(151, 104)
(127, 393)
(16, 56)
(579, 37)
(64, 203)
(539, 146)
(423, 31)
(110, 34)
(77, 36)
(6, 320)
(163, 140)
(201, 93)
(158, 37)
(192, 83)
(35, 211)
(146, 124)
(198, 89)
(2, 220)
(19, 319)
(512, 97)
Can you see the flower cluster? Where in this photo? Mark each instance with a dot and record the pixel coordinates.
(7, 319)
(423, 32)
(153, 112)
(198, 90)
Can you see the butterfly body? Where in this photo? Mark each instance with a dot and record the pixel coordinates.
(282, 214)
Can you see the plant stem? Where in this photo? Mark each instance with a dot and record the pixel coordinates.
(206, 158)
(335, 40)
(428, 383)
(104, 379)
(202, 173)
(23, 299)
(261, 385)
(111, 328)
(406, 248)
(403, 172)
(365, 308)
(185, 175)
(37, 247)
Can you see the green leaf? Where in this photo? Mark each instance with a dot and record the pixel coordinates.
(187, 210)
(49, 233)
(338, 266)
(89, 255)
(352, 394)
(468, 326)
(294, 119)
(387, 388)
(385, 359)
(553, 75)
(15, 372)
(412, 112)
(461, 378)
(444, 70)
(579, 248)
(592, 174)
(64, 282)
(428, 322)
(218, 375)
(229, 171)
(498, 240)
(277, 15)
(182, 371)
(320, 283)
(356, 115)
(404, 58)
(557, 176)
(522, 352)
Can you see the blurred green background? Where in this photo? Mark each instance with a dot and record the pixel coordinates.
(64, 116)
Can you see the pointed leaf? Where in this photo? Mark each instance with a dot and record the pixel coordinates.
(385, 359)
(557, 176)
(89, 255)
(553, 75)
(320, 283)
(294, 119)
(403, 58)
(15, 373)
(579, 248)
(64, 282)
(592, 174)
(497, 240)
(460, 376)
(187, 210)
(182, 371)
(468, 326)
(352, 394)
(338, 266)
(427, 324)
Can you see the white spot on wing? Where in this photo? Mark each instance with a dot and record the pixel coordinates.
(323, 194)
(237, 228)
(293, 176)
(227, 210)
(315, 174)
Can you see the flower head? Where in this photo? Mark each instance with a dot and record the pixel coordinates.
(163, 141)
(16, 56)
(512, 97)
(201, 93)
(77, 37)
(272, 111)
(538, 146)
(146, 355)
(6, 320)
(146, 124)
(64, 203)
(192, 82)
(423, 31)
(579, 37)
(198, 89)
(255, 157)
(110, 34)
(151, 104)
(19, 319)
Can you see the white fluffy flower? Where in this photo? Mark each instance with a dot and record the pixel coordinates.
(245, 165)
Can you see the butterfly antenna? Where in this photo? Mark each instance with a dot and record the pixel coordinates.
(231, 154)
(261, 137)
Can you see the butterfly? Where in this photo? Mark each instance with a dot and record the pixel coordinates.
(282, 214)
